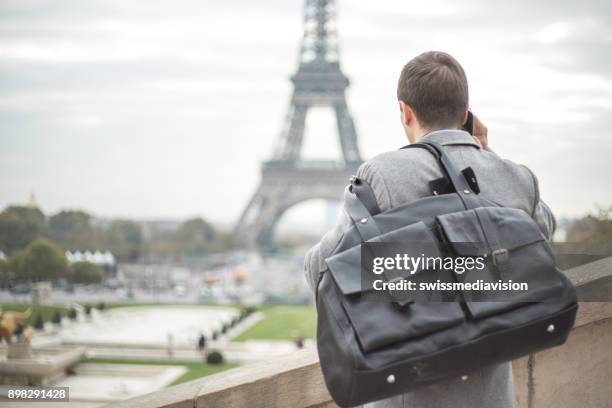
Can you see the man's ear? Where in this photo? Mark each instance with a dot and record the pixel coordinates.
(465, 116)
(406, 113)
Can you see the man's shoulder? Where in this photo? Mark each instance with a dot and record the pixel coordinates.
(519, 170)
(412, 166)
(404, 158)
(399, 176)
(510, 180)
(395, 161)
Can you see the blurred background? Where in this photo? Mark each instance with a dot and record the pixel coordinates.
(161, 177)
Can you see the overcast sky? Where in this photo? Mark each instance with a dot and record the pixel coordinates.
(162, 109)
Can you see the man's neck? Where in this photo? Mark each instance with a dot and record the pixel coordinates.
(424, 132)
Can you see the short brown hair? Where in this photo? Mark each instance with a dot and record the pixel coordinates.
(435, 87)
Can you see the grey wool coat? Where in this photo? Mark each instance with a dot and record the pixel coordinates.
(402, 176)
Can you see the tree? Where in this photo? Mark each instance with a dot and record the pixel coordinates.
(125, 240)
(19, 226)
(41, 260)
(86, 273)
(5, 274)
(214, 357)
(39, 323)
(73, 230)
(192, 237)
(195, 236)
(57, 317)
(592, 228)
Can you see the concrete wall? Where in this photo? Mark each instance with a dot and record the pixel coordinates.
(576, 374)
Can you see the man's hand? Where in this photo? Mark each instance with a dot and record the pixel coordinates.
(480, 133)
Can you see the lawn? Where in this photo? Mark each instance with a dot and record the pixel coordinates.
(282, 323)
(46, 311)
(195, 370)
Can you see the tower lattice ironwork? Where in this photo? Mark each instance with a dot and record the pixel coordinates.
(287, 179)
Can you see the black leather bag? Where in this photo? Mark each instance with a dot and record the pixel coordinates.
(372, 349)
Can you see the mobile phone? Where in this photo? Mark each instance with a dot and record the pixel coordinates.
(469, 123)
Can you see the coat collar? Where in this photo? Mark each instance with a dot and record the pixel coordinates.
(450, 137)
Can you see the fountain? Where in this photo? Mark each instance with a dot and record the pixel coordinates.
(20, 364)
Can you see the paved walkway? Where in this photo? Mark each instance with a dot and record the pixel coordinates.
(236, 352)
(241, 353)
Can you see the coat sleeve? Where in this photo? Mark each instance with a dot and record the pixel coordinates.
(314, 261)
(542, 214)
(545, 219)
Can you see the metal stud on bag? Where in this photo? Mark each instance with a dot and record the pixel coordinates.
(550, 328)
(363, 220)
(391, 379)
(464, 377)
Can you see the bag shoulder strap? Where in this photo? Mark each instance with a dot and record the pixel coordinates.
(361, 202)
(456, 178)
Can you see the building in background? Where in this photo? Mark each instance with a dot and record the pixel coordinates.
(105, 260)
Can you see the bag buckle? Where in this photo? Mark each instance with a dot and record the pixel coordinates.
(499, 256)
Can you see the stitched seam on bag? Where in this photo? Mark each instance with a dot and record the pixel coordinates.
(352, 354)
(484, 234)
(316, 289)
(563, 311)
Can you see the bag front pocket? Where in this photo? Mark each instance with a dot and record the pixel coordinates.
(381, 322)
(514, 252)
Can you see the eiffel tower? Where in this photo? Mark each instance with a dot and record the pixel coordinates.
(286, 179)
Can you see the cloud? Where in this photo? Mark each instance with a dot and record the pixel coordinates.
(158, 108)
(553, 33)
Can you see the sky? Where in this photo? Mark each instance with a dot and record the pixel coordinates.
(165, 109)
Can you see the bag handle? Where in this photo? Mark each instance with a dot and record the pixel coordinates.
(362, 214)
(364, 192)
(363, 220)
